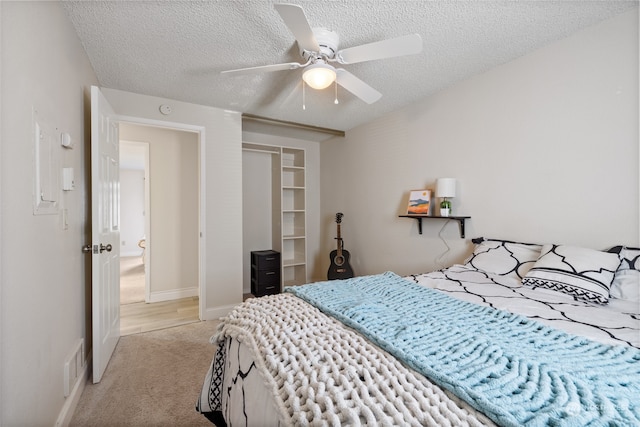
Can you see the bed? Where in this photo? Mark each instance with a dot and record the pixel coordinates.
(519, 334)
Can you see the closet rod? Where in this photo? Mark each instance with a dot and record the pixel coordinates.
(255, 150)
(254, 118)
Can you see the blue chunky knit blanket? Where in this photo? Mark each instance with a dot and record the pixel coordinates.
(515, 370)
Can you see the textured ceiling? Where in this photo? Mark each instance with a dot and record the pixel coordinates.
(177, 49)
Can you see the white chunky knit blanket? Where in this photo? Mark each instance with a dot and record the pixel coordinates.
(322, 373)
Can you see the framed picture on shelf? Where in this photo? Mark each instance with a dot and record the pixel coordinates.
(419, 202)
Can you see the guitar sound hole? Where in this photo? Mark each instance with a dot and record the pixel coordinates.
(339, 260)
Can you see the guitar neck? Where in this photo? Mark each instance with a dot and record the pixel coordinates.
(339, 239)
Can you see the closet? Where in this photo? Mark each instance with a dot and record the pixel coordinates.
(288, 209)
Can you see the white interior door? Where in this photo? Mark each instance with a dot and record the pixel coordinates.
(105, 231)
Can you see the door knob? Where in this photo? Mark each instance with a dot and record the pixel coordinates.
(105, 248)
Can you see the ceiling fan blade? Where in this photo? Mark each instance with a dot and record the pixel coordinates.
(357, 86)
(405, 45)
(294, 17)
(264, 68)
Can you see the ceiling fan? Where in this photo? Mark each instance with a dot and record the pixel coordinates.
(319, 48)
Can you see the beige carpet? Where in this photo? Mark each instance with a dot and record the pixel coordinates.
(132, 279)
(153, 379)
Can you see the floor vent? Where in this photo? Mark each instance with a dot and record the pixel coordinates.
(73, 367)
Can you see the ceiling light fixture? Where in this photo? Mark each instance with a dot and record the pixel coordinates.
(319, 76)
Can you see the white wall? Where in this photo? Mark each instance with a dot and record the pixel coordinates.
(131, 211)
(544, 148)
(222, 230)
(45, 275)
(257, 223)
(172, 246)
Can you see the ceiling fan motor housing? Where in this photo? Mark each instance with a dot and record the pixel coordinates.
(327, 40)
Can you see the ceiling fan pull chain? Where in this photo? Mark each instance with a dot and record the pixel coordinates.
(336, 85)
(304, 107)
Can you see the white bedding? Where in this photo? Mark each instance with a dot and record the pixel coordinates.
(315, 371)
(246, 399)
(618, 322)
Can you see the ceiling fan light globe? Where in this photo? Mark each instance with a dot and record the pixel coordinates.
(319, 76)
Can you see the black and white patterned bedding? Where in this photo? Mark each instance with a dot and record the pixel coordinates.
(492, 276)
(615, 323)
(234, 392)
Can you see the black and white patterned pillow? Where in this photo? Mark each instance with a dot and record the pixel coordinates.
(586, 274)
(626, 282)
(503, 257)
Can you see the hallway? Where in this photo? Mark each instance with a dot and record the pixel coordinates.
(137, 316)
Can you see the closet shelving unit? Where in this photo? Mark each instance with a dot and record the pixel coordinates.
(289, 201)
(293, 230)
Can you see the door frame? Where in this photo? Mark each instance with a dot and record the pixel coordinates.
(200, 131)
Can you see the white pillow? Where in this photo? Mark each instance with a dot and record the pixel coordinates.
(503, 257)
(626, 282)
(586, 274)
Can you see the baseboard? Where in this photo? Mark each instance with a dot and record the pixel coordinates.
(71, 402)
(217, 312)
(174, 294)
(133, 253)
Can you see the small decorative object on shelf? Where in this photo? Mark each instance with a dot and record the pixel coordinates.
(419, 202)
(445, 207)
(445, 188)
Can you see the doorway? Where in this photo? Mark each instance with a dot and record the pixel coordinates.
(134, 219)
(159, 218)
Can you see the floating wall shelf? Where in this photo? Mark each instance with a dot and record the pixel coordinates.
(419, 218)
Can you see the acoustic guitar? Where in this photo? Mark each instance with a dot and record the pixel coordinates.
(340, 267)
